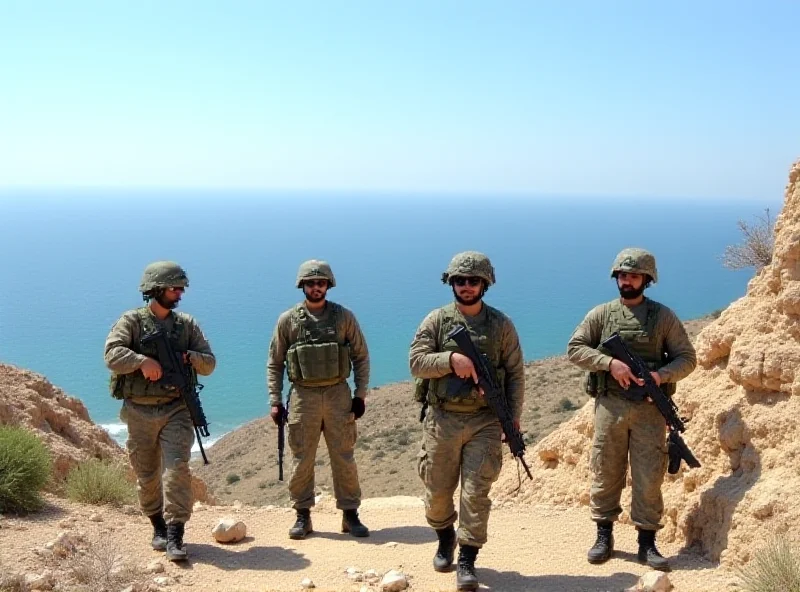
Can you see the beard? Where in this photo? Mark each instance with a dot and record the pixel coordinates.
(168, 304)
(468, 301)
(315, 299)
(629, 293)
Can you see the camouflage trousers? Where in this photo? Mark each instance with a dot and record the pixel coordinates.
(460, 448)
(323, 410)
(624, 429)
(160, 439)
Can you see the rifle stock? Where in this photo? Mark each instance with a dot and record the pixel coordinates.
(179, 374)
(496, 399)
(678, 450)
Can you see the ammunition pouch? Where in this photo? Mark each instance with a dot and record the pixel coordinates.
(317, 364)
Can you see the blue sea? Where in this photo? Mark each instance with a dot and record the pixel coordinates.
(72, 260)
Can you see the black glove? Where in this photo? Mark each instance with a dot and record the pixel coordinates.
(358, 407)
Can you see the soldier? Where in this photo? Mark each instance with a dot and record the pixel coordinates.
(316, 341)
(626, 423)
(461, 439)
(160, 429)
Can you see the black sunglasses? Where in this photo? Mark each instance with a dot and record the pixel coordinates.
(472, 281)
(312, 283)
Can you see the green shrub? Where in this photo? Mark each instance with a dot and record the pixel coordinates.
(232, 478)
(25, 467)
(776, 566)
(99, 482)
(566, 405)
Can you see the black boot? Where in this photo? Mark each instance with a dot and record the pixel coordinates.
(447, 546)
(648, 553)
(159, 542)
(465, 572)
(352, 524)
(302, 525)
(175, 548)
(603, 547)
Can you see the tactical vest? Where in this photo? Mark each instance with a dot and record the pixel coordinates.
(486, 336)
(126, 386)
(317, 358)
(641, 340)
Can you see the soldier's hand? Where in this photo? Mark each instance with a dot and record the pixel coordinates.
(276, 413)
(623, 375)
(656, 377)
(151, 369)
(503, 438)
(357, 407)
(463, 367)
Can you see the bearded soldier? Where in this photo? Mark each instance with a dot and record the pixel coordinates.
(316, 342)
(160, 429)
(626, 423)
(461, 440)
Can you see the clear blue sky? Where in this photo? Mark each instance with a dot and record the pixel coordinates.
(685, 98)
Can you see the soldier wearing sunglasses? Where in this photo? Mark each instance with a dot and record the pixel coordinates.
(461, 440)
(316, 342)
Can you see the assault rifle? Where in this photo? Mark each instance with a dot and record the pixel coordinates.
(488, 381)
(179, 374)
(678, 450)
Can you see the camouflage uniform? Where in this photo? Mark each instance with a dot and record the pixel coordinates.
(626, 425)
(160, 430)
(461, 440)
(317, 350)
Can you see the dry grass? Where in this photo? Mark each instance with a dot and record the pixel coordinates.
(100, 482)
(99, 567)
(776, 566)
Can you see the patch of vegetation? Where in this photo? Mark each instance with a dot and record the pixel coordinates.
(776, 566)
(100, 482)
(25, 468)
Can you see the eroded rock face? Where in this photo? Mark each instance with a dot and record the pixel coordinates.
(743, 402)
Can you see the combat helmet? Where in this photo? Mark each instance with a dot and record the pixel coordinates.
(470, 263)
(163, 274)
(635, 260)
(315, 268)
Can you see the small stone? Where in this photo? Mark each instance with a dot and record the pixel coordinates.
(371, 576)
(394, 581)
(164, 581)
(307, 583)
(237, 505)
(154, 567)
(229, 530)
(39, 582)
(655, 581)
(129, 589)
(198, 507)
(96, 517)
(390, 545)
(130, 510)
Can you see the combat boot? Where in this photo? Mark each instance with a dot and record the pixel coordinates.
(648, 553)
(603, 547)
(175, 548)
(302, 525)
(159, 542)
(465, 572)
(447, 547)
(352, 524)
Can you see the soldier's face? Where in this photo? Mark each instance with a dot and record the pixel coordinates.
(170, 297)
(467, 290)
(315, 290)
(630, 285)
